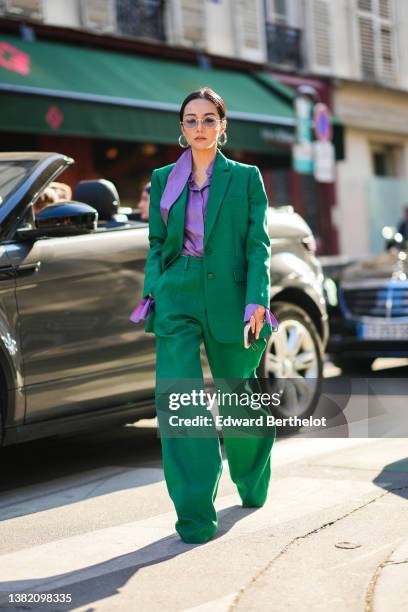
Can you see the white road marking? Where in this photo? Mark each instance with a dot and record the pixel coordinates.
(72, 489)
(42, 496)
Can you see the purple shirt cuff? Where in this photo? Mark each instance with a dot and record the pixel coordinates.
(142, 310)
(269, 317)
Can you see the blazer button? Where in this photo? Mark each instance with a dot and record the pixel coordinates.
(210, 275)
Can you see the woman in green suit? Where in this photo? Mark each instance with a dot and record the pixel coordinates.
(206, 275)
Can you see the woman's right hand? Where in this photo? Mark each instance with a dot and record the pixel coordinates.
(257, 320)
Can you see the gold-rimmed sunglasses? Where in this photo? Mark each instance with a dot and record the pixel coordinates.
(207, 122)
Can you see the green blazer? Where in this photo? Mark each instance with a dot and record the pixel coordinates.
(236, 245)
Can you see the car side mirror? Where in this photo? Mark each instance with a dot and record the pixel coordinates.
(62, 219)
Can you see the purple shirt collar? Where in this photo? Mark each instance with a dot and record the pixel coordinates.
(176, 181)
(193, 185)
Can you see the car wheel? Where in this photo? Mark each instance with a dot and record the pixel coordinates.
(293, 362)
(354, 364)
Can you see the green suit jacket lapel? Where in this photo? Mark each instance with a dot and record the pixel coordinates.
(175, 228)
(220, 179)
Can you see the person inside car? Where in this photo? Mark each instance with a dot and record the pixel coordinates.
(55, 192)
(144, 203)
(64, 191)
(48, 196)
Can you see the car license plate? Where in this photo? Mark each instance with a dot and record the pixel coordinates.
(383, 331)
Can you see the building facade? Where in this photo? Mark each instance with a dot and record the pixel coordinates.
(361, 44)
(287, 39)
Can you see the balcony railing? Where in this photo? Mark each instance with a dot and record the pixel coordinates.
(284, 45)
(141, 18)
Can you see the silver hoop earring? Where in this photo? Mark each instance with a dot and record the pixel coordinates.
(224, 139)
(181, 143)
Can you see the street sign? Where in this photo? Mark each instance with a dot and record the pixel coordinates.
(322, 120)
(324, 161)
(302, 150)
(302, 157)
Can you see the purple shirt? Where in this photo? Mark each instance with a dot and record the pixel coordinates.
(196, 209)
(193, 243)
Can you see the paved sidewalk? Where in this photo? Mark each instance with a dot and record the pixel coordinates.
(391, 584)
(331, 537)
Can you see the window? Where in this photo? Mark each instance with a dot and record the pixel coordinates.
(276, 11)
(30, 9)
(376, 35)
(141, 18)
(13, 174)
(187, 24)
(385, 159)
(283, 42)
(98, 15)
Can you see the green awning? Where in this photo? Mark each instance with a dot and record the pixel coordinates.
(60, 89)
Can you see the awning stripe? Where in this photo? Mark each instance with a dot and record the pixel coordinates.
(134, 103)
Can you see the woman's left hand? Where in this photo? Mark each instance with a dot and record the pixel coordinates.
(257, 320)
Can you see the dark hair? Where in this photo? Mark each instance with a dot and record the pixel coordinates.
(207, 94)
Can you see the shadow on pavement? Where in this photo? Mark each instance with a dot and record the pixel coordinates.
(105, 579)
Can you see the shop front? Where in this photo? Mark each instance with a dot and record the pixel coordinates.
(116, 113)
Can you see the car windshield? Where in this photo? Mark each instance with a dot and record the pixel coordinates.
(12, 174)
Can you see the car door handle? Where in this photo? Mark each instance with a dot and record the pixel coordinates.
(7, 272)
(26, 269)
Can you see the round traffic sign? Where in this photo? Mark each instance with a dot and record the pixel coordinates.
(322, 122)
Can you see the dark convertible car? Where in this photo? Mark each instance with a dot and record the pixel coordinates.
(69, 278)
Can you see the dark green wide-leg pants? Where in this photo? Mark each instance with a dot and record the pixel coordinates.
(192, 457)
